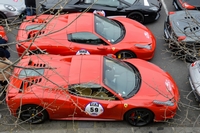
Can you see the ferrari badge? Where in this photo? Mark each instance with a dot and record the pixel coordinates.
(125, 105)
(113, 48)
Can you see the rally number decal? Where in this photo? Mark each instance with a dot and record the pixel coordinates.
(82, 52)
(94, 109)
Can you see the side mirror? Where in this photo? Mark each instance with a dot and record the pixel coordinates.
(120, 7)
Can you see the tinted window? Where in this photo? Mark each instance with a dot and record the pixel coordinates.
(108, 29)
(111, 3)
(85, 37)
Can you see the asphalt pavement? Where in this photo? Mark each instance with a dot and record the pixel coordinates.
(186, 120)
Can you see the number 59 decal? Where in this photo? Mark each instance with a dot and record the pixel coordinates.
(94, 109)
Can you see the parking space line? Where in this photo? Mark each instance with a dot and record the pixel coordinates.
(165, 7)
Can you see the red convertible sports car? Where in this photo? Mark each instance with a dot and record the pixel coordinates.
(86, 33)
(70, 88)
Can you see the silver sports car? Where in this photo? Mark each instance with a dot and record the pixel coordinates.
(10, 9)
(194, 79)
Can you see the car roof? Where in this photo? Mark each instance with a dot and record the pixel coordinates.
(83, 23)
(81, 67)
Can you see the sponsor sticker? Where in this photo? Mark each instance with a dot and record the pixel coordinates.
(82, 52)
(94, 109)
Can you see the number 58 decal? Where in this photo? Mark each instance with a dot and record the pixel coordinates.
(94, 109)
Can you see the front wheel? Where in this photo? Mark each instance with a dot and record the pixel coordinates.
(125, 55)
(139, 117)
(33, 114)
(136, 16)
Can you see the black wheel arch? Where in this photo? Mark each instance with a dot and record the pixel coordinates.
(124, 115)
(17, 111)
(2, 15)
(125, 50)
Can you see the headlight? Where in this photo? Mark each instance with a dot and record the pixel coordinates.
(147, 46)
(167, 103)
(154, 8)
(9, 7)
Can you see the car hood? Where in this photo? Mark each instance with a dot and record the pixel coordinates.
(156, 84)
(183, 24)
(135, 33)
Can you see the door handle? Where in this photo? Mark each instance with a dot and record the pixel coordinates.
(101, 48)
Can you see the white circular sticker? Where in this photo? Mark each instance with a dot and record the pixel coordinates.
(94, 109)
(82, 52)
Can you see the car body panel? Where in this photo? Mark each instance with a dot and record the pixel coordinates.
(59, 40)
(51, 90)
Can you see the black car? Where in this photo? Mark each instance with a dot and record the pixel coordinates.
(144, 11)
(182, 32)
(186, 4)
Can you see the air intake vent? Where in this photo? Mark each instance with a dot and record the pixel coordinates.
(26, 83)
(35, 33)
(194, 28)
(39, 20)
(189, 17)
(39, 65)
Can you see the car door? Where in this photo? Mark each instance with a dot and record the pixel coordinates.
(87, 43)
(94, 103)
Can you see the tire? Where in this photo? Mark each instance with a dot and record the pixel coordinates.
(136, 16)
(32, 114)
(125, 54)
(139, 117)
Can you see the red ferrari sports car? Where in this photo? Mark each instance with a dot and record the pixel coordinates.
(69, 88)
(89, 33)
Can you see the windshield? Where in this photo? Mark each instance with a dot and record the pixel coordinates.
(108, 29)
(121, 78)
(30, 72)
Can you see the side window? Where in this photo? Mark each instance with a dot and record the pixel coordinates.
(85, 37)
(93, 91)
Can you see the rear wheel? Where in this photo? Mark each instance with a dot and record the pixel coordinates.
(125, 55)
(137, 16)
(33, 114)
(139, 117)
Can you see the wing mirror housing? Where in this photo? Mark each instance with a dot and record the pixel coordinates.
(120, 7)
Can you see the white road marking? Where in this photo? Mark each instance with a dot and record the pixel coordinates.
(165, 7)
(146, 3)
